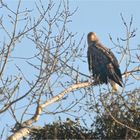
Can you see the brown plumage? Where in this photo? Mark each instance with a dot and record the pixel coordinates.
(102, 63)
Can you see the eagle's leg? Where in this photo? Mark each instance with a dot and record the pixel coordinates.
(91, 77)
(97, 80)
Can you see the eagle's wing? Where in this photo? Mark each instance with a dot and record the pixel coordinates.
(113, 67)
(109, 54)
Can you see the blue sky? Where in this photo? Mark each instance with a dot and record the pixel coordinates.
(100, 16)
(103, 17)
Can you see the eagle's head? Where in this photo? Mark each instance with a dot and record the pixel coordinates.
(92, 38)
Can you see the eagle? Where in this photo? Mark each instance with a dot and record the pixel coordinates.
(102, 63)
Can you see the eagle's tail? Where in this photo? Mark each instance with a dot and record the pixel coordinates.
(115, 86)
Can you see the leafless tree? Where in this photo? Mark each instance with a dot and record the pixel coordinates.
(54, 82)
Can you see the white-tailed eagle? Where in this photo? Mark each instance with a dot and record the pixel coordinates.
(102, 63)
